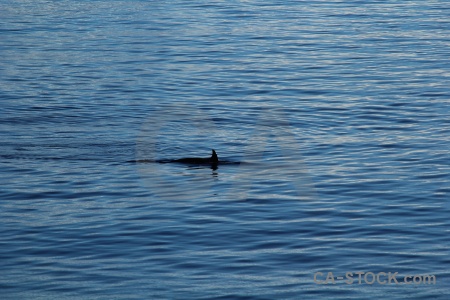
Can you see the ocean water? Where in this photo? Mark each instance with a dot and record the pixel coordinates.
(333, 114)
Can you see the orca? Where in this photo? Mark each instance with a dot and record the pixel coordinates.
(213, 160)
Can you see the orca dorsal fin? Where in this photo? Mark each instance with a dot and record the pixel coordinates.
(214, 158)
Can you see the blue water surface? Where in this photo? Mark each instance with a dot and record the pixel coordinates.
(334, 116)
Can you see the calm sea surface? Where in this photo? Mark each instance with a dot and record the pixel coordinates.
(334, 117)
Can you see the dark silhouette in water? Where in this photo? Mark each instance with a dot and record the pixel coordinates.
(213, 160)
